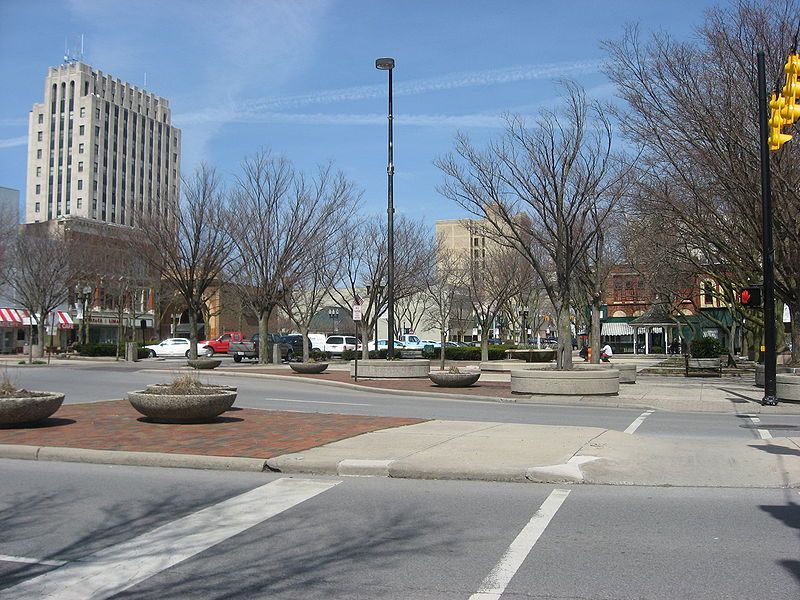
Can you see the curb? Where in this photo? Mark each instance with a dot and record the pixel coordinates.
(135, 459)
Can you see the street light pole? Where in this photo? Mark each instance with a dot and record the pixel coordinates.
(387, 64)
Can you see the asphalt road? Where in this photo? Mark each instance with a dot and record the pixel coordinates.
(126, 532)
(94, 381)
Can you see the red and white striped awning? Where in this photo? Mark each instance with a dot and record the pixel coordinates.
(63, 320)
(12, 317)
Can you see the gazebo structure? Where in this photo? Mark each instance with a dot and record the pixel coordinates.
(656, 319)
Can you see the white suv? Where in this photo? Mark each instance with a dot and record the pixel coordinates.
(336, 344)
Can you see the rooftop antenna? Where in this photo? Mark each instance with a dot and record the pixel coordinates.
(145, 80)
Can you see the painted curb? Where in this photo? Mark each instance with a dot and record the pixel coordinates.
(136, 459)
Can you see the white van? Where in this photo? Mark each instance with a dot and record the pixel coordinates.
(317, 341)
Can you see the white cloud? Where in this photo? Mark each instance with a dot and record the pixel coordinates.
(14, 142)
(420, 120)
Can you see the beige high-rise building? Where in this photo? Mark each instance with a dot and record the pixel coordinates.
(100, 148)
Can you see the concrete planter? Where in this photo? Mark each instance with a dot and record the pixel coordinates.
(586, 382)
(788, 387)
(204, 363)
(445, 379)
(19, 410)
(159, 387)
(627, 372)
(391, 369)
(506, 366)
(182, 408)
(308, 368)
(779, 370)
(532, 355)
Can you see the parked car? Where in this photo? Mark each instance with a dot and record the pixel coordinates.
(412, 342)
(317, 341)
(169, 347)
(433, 343)
(336, 344)
(295, 341)
(248, 349)
(219, 345)
(384, 344)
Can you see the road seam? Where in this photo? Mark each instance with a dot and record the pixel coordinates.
(32, 561)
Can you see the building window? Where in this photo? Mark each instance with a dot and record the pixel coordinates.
(39, 136)
(41, 119)
(80, 167)
(80, 148)
(37, 207)
(38, 171)
(80, 184)
(67, 209)
(38, 188)
(97, 113)
(83, 110)
(39, 153)
(708, 293)
(81, 129)
(80, 203)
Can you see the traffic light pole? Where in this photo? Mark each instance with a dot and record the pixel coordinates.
(768, 253)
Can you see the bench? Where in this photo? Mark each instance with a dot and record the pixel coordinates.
(700, 366)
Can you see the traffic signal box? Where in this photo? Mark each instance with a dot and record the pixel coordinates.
(751, 297)
(785, 108)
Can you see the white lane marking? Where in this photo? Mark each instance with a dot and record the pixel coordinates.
(112, 570)
(31, 561)
(495, 583)
(764, 434)
(639, 420)
(317, 402)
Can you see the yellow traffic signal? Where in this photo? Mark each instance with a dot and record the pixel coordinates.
(776, 123)
(790, 110)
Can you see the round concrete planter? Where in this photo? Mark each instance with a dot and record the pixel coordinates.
(778, 369)
(391, 369)
(788, 387)
(308, 368)
(19, 410)
(445, 379)
(627, 372)
(159, 387)
(506, 366)
(204, 363)
(182, 408)
(532, 355)
(587, 382)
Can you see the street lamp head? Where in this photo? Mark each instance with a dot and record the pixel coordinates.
(384, 64)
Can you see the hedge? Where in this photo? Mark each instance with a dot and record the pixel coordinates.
(706, 347)
(450, 353)
(107, 350)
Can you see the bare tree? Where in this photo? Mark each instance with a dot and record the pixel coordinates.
(41, 277)
(190, 244)
(412, 310)
(304, 299)
(491, 281)
(443, 282)
(364, 270)
(8, 233)
(543, 191)
(693, 106)
(279, 217)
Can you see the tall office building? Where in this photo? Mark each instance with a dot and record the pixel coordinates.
(101, 149)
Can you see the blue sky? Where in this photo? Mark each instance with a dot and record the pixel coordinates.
(298, 76)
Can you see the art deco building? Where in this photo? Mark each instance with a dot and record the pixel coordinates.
(100, 149)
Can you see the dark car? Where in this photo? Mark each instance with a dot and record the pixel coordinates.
(248, 349)
(295, 341)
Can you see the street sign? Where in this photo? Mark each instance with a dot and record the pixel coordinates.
(356, 312)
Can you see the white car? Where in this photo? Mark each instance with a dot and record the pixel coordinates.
(170, 347)
(384, 344)
(336, 344)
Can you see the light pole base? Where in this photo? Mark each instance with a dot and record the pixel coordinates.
(769, 401)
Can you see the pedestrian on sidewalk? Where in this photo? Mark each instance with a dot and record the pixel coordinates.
(584, 353)
(606, 353)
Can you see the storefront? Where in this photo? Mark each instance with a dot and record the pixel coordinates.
(12, 330)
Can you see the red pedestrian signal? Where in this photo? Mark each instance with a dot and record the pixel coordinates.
(750, 297)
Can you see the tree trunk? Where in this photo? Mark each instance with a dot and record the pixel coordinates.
(306, 353)
(40, 329)
(192, 333)
(732, 345)
(564, 352)
(30, 339)
(263, 342)
(794, 313)
(365, 329)
(484, 343)
(442, 349)
(594, 342)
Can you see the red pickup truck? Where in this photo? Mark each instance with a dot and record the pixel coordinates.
(219, 345)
